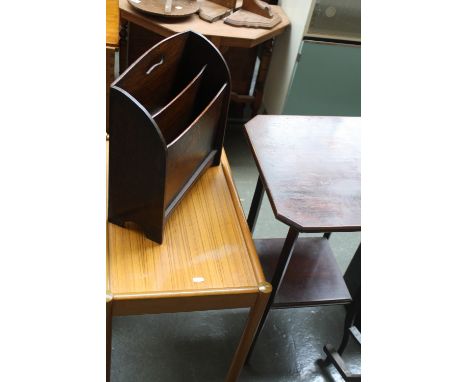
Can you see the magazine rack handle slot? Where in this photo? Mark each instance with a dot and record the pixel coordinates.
(155, 65)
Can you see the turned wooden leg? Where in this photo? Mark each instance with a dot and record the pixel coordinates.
(266, 50)
(253, 321)
(123, 46)
(110, 68)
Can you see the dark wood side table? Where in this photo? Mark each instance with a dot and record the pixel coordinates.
(240, 46)
(310, 169)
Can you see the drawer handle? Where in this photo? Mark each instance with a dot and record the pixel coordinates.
(155, 65)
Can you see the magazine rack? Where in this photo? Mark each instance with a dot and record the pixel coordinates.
(168, 115)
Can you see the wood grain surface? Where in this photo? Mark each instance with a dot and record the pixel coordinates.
(179, 8)
(174, 117)
(207, 248)
(254, 14)
(224, 3)
(243, 18)
(112, 22)
(211, 11)
(313, 276)
(225, 35)
(311, 169)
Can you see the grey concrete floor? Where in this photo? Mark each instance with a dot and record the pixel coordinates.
(198, 346)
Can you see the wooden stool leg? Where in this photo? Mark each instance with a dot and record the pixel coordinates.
(108, 336)
(253, 321)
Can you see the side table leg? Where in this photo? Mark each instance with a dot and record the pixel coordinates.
(108, 335)
(256, 204)
(251, 326)
(352, 275)
(349, 321)
(123, 46)
(280, 271)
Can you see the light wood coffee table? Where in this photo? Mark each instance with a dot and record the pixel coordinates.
(207, 261)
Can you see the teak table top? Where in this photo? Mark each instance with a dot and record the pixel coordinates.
(112, 22)
(310, 167)
(207, 248)
(222, 34)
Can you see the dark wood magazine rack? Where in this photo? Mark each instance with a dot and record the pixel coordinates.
(167, 120)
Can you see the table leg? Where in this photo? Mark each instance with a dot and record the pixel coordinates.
(256, 204)
(253, 322)
(352, 276)
(110, 68)
(108, 336)
(278, 276)
(123, 46)
(327, 235)
(334, 356)
(353, 281)
(349, 321)
(266, 50)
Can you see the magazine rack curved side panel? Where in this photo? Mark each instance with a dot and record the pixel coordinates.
(137, 157)
(168, 114)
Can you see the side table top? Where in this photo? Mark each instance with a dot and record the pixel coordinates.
(228, 35)
(310, 167)
(207, 247)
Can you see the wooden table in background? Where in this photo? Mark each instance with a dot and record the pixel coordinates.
(112, 43)
(207, 261)
(240, 46)
(310, 168)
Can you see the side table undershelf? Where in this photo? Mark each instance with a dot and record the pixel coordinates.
(313, 276)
